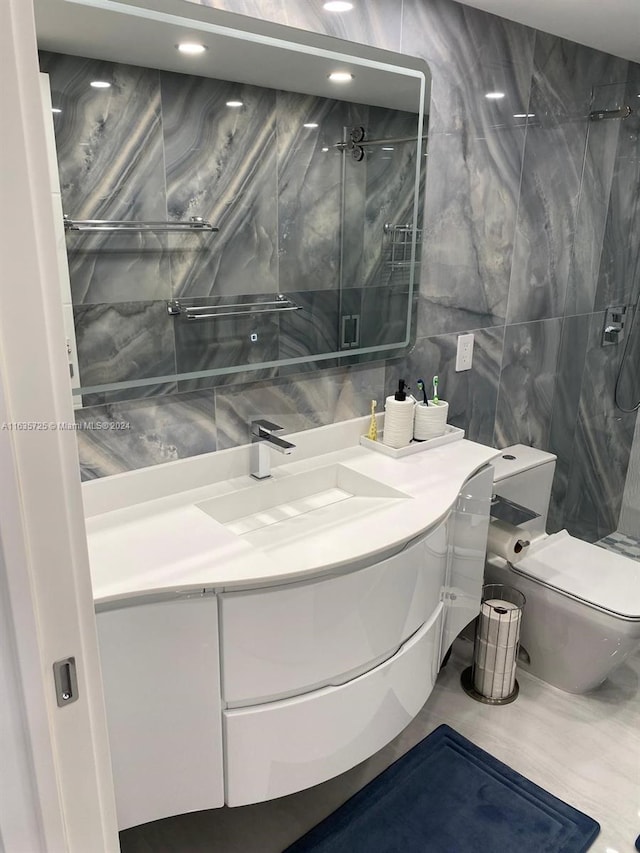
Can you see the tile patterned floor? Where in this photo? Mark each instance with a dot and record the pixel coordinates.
(628, 546)
(584, 749)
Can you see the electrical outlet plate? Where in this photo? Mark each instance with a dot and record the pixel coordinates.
(464, 354)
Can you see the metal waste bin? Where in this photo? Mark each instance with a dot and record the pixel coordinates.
(492, 678)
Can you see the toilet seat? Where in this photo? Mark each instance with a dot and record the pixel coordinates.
(590, 574)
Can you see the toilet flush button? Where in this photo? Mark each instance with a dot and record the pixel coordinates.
(508, 456)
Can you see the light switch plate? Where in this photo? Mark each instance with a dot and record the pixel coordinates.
(464, 354)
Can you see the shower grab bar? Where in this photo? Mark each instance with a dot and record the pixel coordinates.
(211, 312)
(195, 223)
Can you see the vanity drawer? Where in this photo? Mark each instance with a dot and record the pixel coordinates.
(281, 641)
(276, 749)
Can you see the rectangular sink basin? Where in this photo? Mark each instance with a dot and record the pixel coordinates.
(281, 500)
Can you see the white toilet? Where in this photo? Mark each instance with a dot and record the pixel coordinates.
(582, 614)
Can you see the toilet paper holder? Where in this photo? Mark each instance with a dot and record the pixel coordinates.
(510, 512)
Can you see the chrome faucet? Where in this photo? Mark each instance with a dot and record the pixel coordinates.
(262, 437)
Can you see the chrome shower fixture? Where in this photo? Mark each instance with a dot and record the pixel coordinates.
(355, 136)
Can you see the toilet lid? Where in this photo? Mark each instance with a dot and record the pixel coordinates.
(606, 580)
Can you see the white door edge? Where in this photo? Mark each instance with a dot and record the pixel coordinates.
(44, 567)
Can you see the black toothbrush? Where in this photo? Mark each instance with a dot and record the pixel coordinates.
(422, 388)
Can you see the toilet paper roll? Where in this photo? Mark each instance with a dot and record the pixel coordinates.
(494, 685)
(499, 622)
(507, 541)
(494, 657)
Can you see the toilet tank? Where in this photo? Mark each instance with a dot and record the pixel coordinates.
(524, 475)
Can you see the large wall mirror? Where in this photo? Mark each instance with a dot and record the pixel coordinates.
(233, 215)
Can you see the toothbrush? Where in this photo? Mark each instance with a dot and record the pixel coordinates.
(424, 391)
(435, 390)
(373, 427)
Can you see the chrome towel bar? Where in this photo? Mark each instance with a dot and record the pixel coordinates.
(210, 312)
(196, 223)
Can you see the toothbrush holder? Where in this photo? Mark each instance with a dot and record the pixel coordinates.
(430, 420)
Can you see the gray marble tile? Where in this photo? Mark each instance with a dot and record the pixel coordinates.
(628, 375)
(310, 190)
(475, 159)
(547, 274)
(471, 202)
(110, 158)
(314, 329)
(596, 485)
(331, 208)
(136, 392)
(564, 416)
(384, 315)
(221, 166)
(600, 372)
(226, 341)
(469, 53)
(471, 394)
(597, 176)
(546, 222)
(603, 441)
(144, 432)
(257, 338)
(619, 273)
(123, 342)
(527, 384)
(389, 190)
(629, 522)
(298, 403)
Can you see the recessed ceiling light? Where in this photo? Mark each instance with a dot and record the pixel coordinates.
(340, 77)
(235, 103)
(191, 48)
(338, 6)
(100, 84)
(56, 110)
(325, 148)
(494, 96)
(310, 124)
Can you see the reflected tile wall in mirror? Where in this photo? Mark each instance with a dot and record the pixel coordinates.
(221, 164)
(111, 166)
(295, 213)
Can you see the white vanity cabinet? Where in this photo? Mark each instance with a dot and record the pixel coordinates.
(234, 690)
(160, 670)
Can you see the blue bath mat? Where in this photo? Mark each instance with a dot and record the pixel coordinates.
(447, 795)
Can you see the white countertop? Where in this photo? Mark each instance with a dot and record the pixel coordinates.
(144, 546)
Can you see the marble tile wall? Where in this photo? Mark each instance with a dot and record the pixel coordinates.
(531, 228)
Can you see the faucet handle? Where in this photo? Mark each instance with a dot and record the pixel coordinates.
(261, 426)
